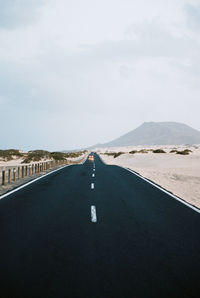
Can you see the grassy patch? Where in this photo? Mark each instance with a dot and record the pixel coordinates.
(133, 152)
(118, 154)
(159, 151)
(109, 153)
(37, 155)
(173, 151)
(114, 154)
(184, 152)
(58, 155)
(74, 154)
(9, 154)
(143, 151)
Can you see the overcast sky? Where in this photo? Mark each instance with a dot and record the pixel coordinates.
(78, 72)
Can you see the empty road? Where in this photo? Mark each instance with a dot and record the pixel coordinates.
(95, 230)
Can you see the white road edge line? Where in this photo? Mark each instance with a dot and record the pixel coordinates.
(93, 214)
(30, 182)
(163, 190)
(92, 185)
(160, 188)
(36, 179)
(84, 160)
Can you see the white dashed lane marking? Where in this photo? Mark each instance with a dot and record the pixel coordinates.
(93, 214)
(92, 185)
(93, 175)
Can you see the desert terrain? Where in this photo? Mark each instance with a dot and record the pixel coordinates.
(178, 173)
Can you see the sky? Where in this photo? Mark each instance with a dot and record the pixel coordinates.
(75, 73)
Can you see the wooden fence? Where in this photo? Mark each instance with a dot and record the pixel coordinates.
(11, 174)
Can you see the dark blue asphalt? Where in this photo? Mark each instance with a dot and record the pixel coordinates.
(144, 243)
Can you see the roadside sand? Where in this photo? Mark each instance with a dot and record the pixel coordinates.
(18, 161)
(179, 174)
(11, 163)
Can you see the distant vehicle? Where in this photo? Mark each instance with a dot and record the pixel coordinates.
(91, 157)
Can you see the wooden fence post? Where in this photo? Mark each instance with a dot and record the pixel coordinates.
(30, 170)
(14, 174)
(18, 174)
(9, 176)
(3, 177)
(22, 171)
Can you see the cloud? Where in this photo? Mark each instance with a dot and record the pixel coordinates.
(65, 76)
(17, 13)
(149, 39)
(93, 77)
(193, 16)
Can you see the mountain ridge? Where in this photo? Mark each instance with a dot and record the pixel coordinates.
(157, 133)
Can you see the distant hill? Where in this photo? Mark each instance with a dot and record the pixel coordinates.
(157, 133)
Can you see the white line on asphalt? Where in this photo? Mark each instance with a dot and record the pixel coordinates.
(93, 175)
(102, 160)
(93, 214)
(92, 185)
(30, 182)
(160, 188)
(163, 190)
(94, 170)
(84, 160)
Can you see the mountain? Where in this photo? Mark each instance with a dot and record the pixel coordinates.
(157, 133)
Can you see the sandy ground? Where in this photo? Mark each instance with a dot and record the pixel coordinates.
(18, 162)
(179, 174)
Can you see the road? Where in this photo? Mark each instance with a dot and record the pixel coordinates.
(103, 232)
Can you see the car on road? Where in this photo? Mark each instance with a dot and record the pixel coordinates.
(91, 157)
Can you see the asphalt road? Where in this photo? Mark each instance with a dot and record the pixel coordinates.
(137, 242)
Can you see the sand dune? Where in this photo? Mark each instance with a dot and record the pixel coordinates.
(179, 174)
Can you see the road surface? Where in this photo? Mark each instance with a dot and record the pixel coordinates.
(95, 230)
